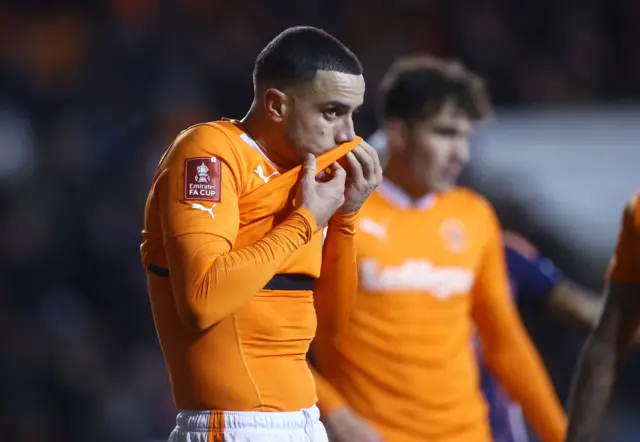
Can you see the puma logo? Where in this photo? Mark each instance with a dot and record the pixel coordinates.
(204, 209)
(260, 172)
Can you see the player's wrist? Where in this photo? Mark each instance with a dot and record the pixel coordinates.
(309, 220)
(338, 414)
(341, 219)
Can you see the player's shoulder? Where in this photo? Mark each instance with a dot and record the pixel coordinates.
(519, 244)
(473, 209)
(222, 140)
(632, 212)
(210, 139)
(633, 206)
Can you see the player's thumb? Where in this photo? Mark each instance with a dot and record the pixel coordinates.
(309, 167)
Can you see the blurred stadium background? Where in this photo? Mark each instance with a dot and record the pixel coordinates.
(92, 92)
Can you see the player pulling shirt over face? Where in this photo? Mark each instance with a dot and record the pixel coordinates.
(233, 250)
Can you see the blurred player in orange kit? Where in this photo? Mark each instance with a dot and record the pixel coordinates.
(533, 280)
(431, 274)
(610, 342)
(233, 247)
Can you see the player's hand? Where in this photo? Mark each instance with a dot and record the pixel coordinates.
(344, 425)
(322, 198)
(364, 174)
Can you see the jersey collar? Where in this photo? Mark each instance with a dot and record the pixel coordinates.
(398, 197)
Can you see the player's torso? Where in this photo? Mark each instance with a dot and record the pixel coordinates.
(258, 170)
(416, 269)
(253, 359)
(278, 322)
(276, 327)
(409, 338)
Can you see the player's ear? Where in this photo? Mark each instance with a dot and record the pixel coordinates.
(275, 102)
(397, 134)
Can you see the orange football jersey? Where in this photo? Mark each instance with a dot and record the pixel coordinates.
(429, 273)
(625, 263)
(219, 224)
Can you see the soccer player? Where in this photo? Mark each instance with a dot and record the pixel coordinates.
(533, 278)
(233, 252)
(609, 343)
(431, 272)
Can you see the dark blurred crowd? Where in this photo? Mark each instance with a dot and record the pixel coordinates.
(91, 93)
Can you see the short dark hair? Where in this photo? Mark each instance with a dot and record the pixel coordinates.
(416, 87)
(298, 53)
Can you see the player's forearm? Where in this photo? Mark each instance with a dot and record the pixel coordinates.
(591, 391)
(604, 352)
(519, 368)
(227, 281)
(576, 303)
(335, 290)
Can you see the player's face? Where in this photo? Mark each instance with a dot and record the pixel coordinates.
(438, 149)
(320, 116)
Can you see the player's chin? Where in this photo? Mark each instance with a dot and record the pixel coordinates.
(443, 186)
(448, 181)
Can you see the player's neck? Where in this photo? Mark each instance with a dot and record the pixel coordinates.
(397, 174)
(273, 147)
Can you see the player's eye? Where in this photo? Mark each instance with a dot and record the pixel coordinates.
(446, 132)
(331, 114)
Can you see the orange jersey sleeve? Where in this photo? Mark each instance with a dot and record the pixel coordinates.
(625, 263)
(335, 290)
(200, 221)
(508, 350)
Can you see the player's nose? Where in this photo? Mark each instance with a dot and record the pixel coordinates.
(345, 132)
(461, 152)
